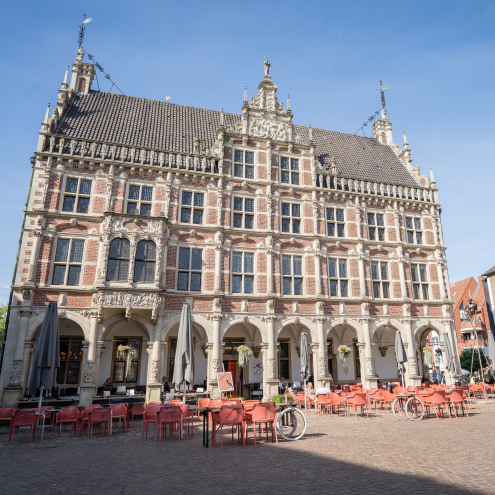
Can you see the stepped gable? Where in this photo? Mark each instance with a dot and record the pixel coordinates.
(132, 121)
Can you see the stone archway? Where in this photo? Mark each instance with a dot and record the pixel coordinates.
(352, 371)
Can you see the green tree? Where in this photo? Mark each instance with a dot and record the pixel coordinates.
(466, 357)
(3, 318)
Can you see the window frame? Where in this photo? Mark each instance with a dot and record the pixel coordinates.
(139, 201)
(67, 263)
(244, 164)
(76, 195)
(118, 260)
(335, 222)
(291, 217)
(145, 261)
(413, 231)
(291, 276)
(243, 212)
(377, 228)
(189, 270)
(380, 280)
(292, 172)
(419, 283)
(285, 359)
(191, 207)
(71, 339)
(338, 277)
(243, 274)
(115, 359)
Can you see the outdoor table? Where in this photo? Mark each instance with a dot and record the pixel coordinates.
(206, 420)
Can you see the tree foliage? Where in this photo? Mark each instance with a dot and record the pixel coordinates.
(466, 357)
(3, 318)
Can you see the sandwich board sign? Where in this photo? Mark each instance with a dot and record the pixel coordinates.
(225, 383)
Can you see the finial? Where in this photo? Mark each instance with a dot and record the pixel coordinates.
(288, 102)
(310, 133)
(245, 93)
(405, 139)
(221, 118)
(267, 67)
(66, 74)
(431, 175)
(47, 114)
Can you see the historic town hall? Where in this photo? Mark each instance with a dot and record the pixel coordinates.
(266, 228)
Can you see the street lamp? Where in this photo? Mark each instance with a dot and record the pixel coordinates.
(32, 160)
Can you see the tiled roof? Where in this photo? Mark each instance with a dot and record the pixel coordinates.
(489, 272)
(132, 121)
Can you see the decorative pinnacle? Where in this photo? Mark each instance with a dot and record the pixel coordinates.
(310, 133)
(288, 102)
(66, 74)
(245, 93)
(431, 175)
(47, 114)
(221, 118)
(405, 139)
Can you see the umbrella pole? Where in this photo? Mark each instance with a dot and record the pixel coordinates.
(41, 395)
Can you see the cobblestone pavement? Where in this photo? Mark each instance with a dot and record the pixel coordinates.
(379, 454)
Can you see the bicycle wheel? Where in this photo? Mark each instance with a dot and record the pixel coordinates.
(415, 409)
(291, 424)
(399, 409)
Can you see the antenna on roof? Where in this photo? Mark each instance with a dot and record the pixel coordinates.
(382, 89)
(82, 28)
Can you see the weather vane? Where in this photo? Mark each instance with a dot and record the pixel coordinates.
(82, 27)
(382, 89)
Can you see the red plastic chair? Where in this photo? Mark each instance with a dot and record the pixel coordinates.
(388, 398)
(150, 416)
(261, 414)
(84, 417)
(168, 416)
(7, 414)
(65, 416)
(337, 401)
(48, 415)
(456, 398)
(119, 411)
(357, 401)
(323, 402)
(188, 418)
(203, 403)
(100, 416)
(23, 419)
(377, 399)
(229, 416)
(440, 403)
(300, 399)
(136, 409)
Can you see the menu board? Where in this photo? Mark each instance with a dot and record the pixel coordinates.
(225, 383)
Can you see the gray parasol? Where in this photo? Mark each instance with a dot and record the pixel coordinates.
(184, 353)
(304, 358)
(47, 354)
(400, 353)
(491, 348)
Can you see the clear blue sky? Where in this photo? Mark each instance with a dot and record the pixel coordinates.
(436, 57)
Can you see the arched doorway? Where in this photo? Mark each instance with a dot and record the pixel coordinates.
(384, 353)
(200, 353)
(249, 378)
(429, 352)
(351, 371)
(113, 363)
(289, 352)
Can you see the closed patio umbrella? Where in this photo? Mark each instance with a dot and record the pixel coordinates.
(400, 354)
(491, 347)
(449, 356)
(304, 358)
(184, 353)
(47, 354)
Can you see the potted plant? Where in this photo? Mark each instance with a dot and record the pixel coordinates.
(427, 353)
(245, 354)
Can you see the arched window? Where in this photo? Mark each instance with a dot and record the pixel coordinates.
(144, 271)
(118, 260)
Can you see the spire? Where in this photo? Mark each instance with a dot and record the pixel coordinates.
(310, 133)
(47, 114)
(431, 175)
(245, 93)
(405, 140)
(221, 118)
(66, 74)
(288, 102)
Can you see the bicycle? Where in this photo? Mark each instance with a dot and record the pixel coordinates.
(408, 408)
(291, 424)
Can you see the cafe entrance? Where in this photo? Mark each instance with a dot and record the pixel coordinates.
(231, 364)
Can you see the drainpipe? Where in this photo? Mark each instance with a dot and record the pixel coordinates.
(7, 319)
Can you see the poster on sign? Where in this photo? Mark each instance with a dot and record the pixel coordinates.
(225, 383)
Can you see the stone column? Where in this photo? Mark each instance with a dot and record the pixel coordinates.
(402, 275)
(271, 371)
(218, 268)
(216, 360)
(33, 262)
(317, 257)
(443, 292)
(322, 351)
(370, 379)
(269, 272)
(412, 363)
(90, 365)
(362, 282)
(154, 385)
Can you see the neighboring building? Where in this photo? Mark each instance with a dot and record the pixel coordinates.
(466, 334)
(489, 291)
(266, 228)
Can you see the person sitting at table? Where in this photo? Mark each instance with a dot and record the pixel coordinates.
(310, 392)
(108, 385)
(165, 385)
(281, 386)
(378, 379)
(323, 390)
